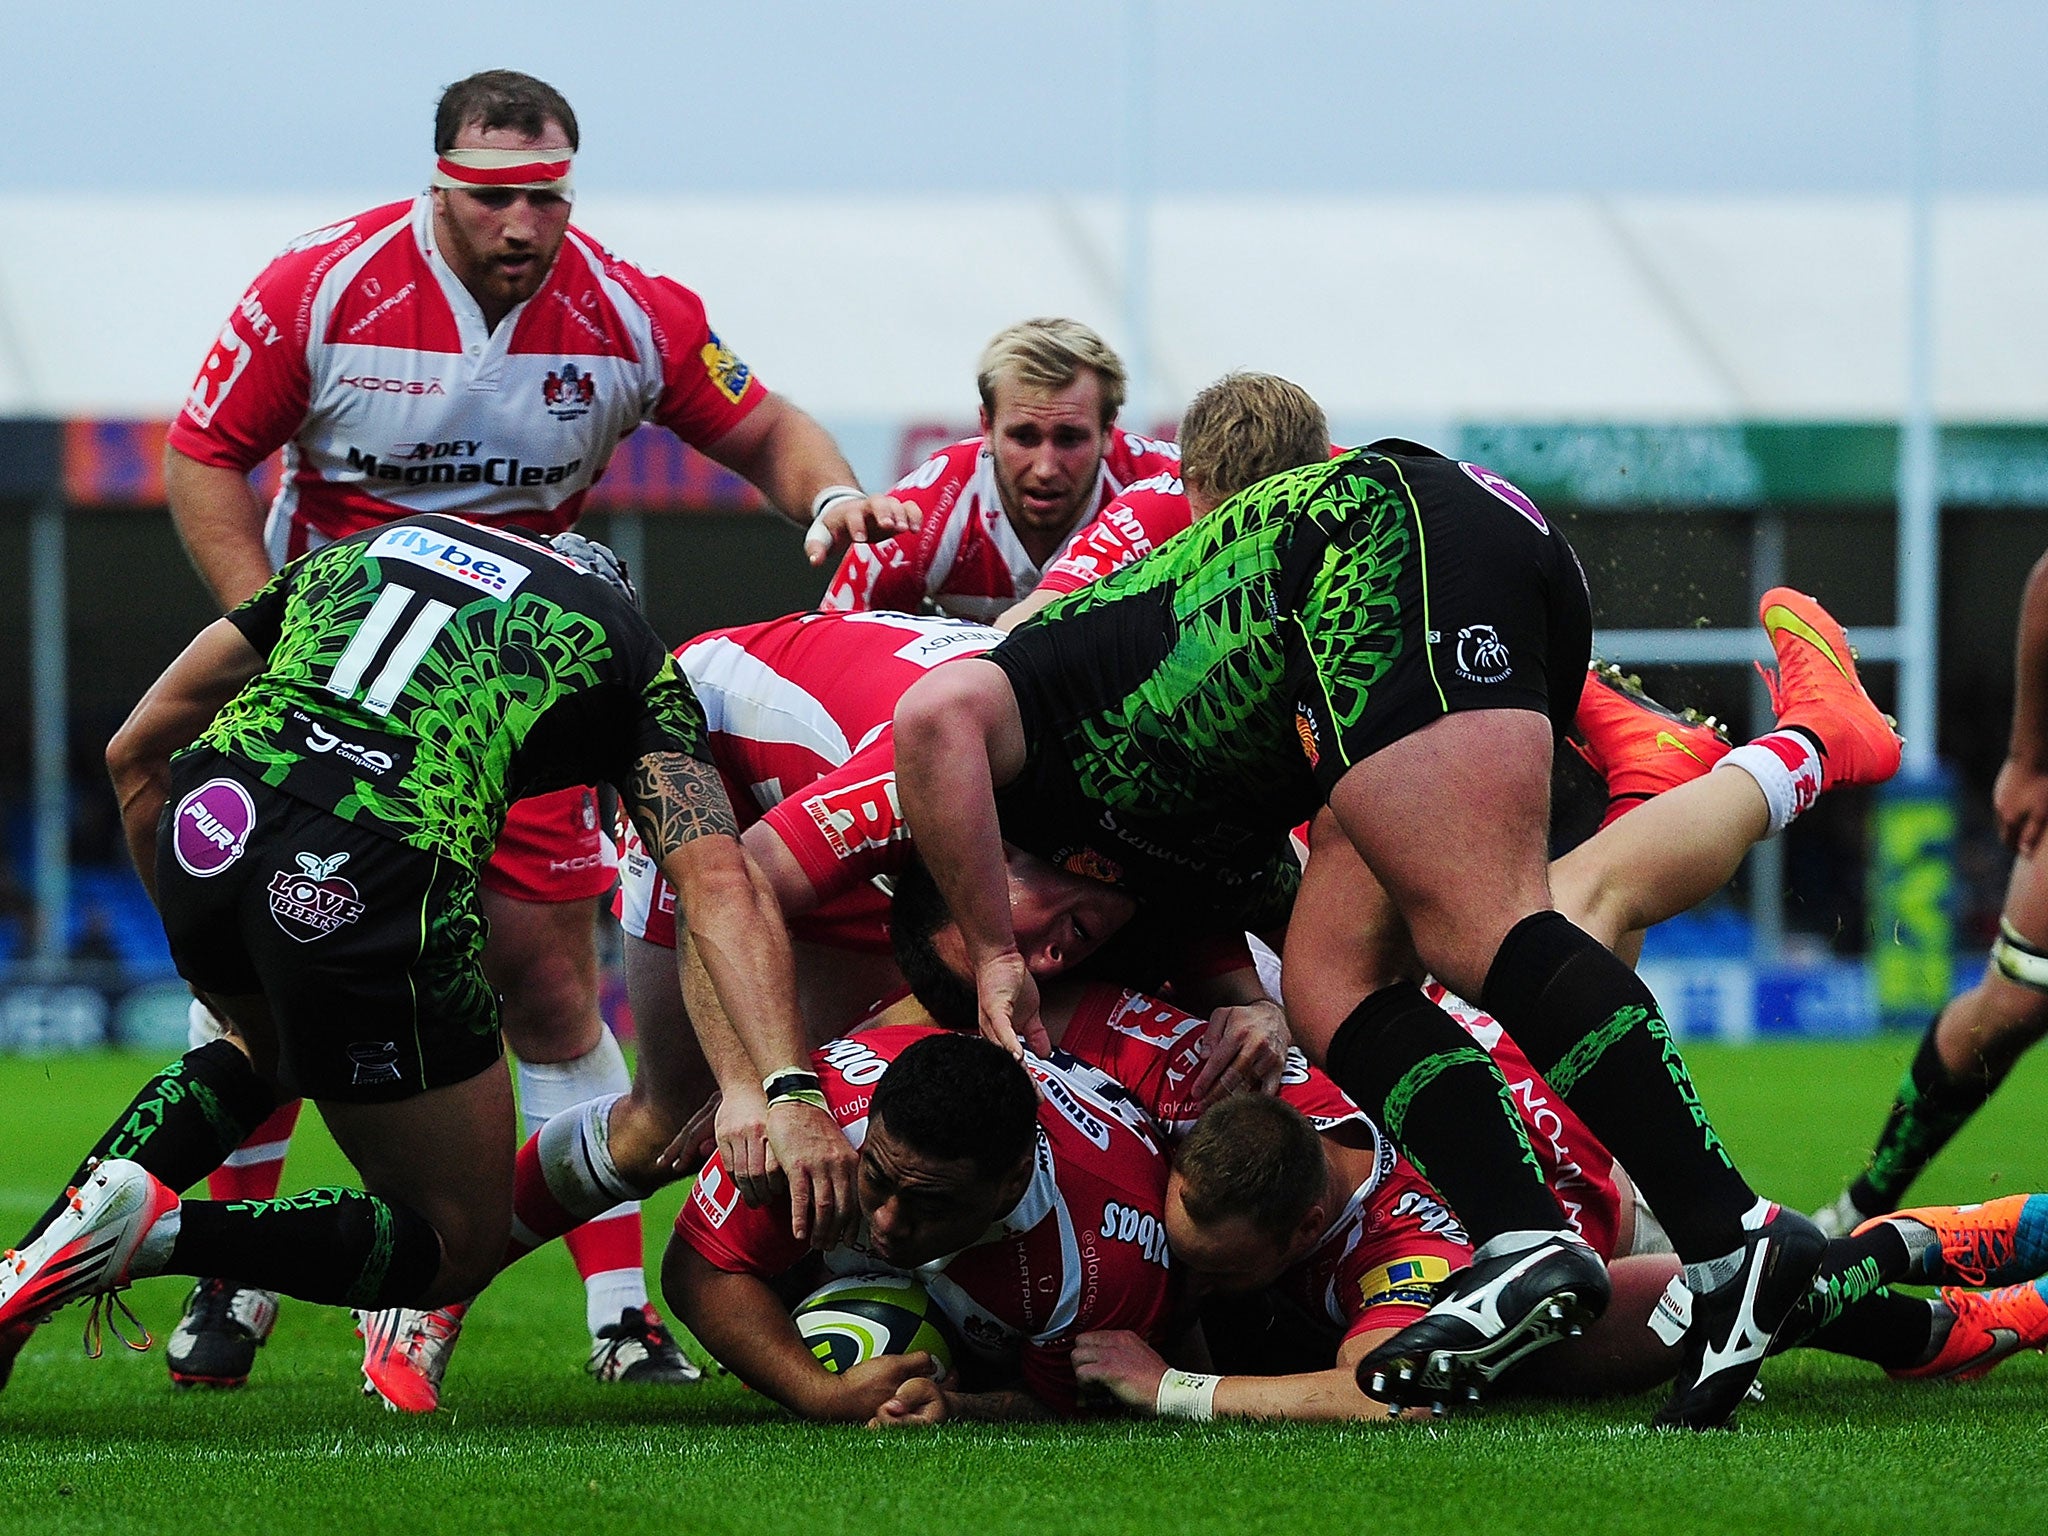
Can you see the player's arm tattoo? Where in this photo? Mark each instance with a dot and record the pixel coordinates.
(676, 798)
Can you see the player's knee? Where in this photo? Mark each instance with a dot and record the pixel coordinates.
(640, 1129)
(470, 1255)
(1461, 949)
(550, 1008)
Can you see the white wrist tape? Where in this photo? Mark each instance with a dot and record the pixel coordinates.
(817, 537)
(825, 499)
(1186, 1395)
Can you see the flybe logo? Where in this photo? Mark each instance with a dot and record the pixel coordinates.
(486, 570)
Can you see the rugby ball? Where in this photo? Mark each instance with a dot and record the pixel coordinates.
(861, 1316)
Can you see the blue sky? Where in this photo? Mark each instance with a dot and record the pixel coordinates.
(781, 96)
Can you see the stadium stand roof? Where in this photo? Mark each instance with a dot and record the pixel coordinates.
(1399, 311)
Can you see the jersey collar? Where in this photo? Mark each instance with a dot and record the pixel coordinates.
(469, 314)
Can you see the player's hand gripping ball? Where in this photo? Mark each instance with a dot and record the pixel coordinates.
(851, 1320)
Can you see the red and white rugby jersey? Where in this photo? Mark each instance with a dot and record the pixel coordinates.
(1156, 1051)
(1084, 1249)
(800, 712)
(1577, 1165)
(359, 350)
(1394, 1238)
(965, 558)
(1376, 1264)
(1136, 523)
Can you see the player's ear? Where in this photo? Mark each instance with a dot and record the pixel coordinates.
(1309, 1230)
(1019, 1180)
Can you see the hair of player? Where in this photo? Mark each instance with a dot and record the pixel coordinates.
(502, 98)
(1245, 428)
(1255, 1157)
(917, 910)
(1049, 353)
(960, 1098)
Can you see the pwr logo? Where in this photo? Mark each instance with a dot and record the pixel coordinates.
(856, 818)
(223, 365)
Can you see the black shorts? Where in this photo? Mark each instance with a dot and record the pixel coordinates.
(367, 951)
(1485, 607)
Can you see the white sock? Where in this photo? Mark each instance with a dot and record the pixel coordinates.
(201, 1027)
(548, 1089)
(607, 1294)
(1714, 1273)
(577, 1162)
(1786, 767)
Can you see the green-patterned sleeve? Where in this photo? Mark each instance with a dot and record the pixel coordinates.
(260, 617)
(672, 718)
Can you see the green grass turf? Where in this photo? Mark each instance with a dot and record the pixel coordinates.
(528, 1443)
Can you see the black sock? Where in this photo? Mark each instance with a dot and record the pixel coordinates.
(338, 1246)
(1852, 1270)
(1441, 1098)
(1591, 1027)
(185, 1122)
(1930, 1108)
(1885, 1328)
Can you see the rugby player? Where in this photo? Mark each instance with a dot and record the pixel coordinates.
(1233, 434)
(1166, 725)
(310, 791)
(469, 351)
(800, 711)
(1002, 1187)
(1974, 1041)
(1258, 1201)
(996, 508)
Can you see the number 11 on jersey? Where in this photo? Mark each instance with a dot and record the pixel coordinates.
(363, 647)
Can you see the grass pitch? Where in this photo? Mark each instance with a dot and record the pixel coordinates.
(529, 1443)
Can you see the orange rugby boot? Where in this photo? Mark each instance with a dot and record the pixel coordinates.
(89, 1250)
(1816, 689)
(1640, 747)
(1988, 1326)
(405, 1354)
(1998, 1242)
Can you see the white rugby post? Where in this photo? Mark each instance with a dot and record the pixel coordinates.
(1137, 214)
(1919, 526)
(49, 713)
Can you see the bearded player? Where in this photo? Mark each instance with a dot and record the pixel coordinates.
(469, 351)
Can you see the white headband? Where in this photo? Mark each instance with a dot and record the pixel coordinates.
(528, 170)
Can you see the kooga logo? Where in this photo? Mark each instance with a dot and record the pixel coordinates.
(485, 570)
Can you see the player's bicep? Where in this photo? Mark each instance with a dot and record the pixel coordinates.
(674, 799)
(253, 389)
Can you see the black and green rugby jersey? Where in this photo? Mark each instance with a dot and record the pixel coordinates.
(422, 676)
(1171, 708)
